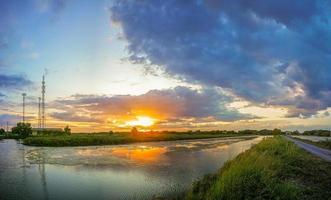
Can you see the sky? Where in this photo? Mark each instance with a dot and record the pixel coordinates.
(167, 65)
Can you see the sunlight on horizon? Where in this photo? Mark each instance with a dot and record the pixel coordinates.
(141, 121)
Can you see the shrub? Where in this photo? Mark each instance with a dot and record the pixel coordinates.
(134, 131)
(67, 130)
(22, 129)
(51, 132)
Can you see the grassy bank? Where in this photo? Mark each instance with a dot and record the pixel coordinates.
(10, 136)
(118, 138)
(273, 169)
(323, 144)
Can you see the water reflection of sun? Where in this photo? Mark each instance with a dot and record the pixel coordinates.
(137, 154)
(141, 155)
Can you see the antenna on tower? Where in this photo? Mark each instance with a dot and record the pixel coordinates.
(23, 95)
(39, 112)
(43, 89)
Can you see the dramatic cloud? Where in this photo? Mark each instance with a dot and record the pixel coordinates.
(10, 84)
(11, 119)
(169, 105)
(13, 82)
(273, 52)
(71, 116)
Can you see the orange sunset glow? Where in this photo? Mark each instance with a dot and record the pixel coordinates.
(141, 121)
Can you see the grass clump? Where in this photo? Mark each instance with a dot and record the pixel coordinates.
(323, 144)
(273, 169)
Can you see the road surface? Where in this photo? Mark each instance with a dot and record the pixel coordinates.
(320, 152)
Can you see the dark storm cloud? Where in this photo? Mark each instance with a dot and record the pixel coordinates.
(13, 82)
(263, 51)
(11, 87)
(180, 102)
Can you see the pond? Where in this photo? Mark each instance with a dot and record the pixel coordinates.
(312, 138)
(133, 171)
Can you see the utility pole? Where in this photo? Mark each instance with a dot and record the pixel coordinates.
(23, 95)
(7, 126)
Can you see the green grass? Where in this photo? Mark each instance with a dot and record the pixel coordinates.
(10, 136)
(323, 144)
(273, 169)
(110, 139)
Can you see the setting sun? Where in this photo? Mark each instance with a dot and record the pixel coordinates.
(141, 121)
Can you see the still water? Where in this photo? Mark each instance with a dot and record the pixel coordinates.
(312, 138)
(134, 171)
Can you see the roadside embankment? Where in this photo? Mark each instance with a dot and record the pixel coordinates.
(273, 169)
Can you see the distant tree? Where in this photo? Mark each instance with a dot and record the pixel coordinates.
(276, 131)
(134, 130)
(231, 132)
(2, 131)
(67, 130)
(111, 132)
(265, 132)
(22, 129)
(247, 132)
(318, 132)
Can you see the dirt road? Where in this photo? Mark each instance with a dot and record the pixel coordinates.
(320, 152)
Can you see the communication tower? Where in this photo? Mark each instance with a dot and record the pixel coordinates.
(39, 112)
(23, 95)
(43, 118)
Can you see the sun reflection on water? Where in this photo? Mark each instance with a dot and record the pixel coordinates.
(137, 154)
(141, 154)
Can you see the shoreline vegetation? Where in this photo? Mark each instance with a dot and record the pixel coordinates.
(120, 138)
(273, 169)
(64, 137)
(11, 136)
(326, 144)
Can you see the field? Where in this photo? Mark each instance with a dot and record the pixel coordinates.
(117, 138)
(323, 144)
(273, 169)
